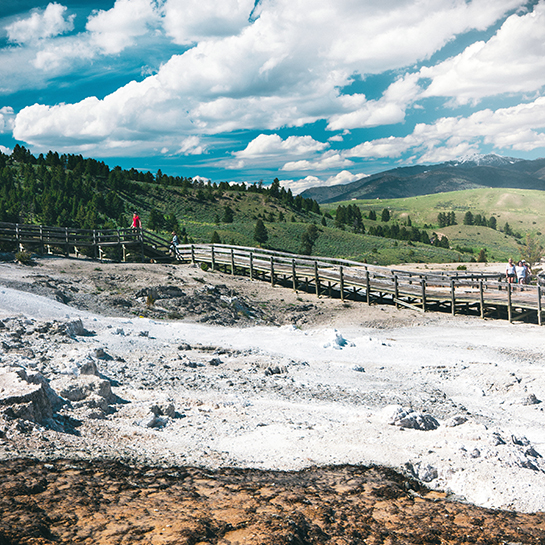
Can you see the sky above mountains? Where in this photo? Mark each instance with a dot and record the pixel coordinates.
(314, 92)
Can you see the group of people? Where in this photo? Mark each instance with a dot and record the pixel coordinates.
(137, 224)
(519, 273)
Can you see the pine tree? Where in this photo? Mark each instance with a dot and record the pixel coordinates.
(260, 232)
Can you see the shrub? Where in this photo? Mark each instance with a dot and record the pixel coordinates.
(23, 257)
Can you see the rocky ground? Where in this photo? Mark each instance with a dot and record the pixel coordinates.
(175, 405)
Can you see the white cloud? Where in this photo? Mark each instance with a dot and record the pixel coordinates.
(192, 146)
(389, 109)
(189, 21)
(283, 70)
(272, 145)
(512, 61)
(298, 186)
(117, 28)
(41, 25)
(328, 160)
(7, 118)
(518, 128)
(5, 150)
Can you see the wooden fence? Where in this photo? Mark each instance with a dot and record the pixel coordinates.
(487, 295)
(96, 243)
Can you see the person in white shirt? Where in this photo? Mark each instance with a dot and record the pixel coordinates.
(510, 272)
(521, 273)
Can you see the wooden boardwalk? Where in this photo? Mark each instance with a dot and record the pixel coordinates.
(116, 244)
(485, 295)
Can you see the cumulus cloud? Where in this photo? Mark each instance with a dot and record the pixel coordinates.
(518, 128)
(192, 146)
(326, 161)
(273, 145)
(298, 186)
(7, 118)
(190, 21)
(512, 61)
(283, 69)
(117, 28)
(41, 25)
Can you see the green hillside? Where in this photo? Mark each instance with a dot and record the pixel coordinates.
(68, 190)
(523, 211)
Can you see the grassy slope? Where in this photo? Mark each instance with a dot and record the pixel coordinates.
(199, 219)
(524, 210)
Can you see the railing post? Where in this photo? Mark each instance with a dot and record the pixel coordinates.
(367, 287)
(452, 297)
(396, 291)
(213, 259)
(293, 275)
(251, 266)
(481, 297)
(193, 254)
(509, 308)
(232, 261)
(424, 294)
(538, 304)
(141, 236)
(272, 271)
(341, 282)
(317, 279)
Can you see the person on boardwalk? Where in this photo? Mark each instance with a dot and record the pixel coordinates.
(528, 271)
(521, 273)
(173, 244)
(136, 223)
(510, 272)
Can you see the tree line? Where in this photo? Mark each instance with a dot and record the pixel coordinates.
(71, 191)
(351, 216)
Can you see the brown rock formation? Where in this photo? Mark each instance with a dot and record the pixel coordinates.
(105, 503)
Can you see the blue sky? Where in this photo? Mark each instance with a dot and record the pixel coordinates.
(314, 92)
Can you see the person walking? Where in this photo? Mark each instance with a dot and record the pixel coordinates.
(520, 269)
(173, 250)
(528, 272)
(136, 223)
(510, 272)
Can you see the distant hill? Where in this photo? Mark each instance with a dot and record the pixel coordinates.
(472, 172)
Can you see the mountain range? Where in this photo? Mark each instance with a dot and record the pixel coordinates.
(470, 172)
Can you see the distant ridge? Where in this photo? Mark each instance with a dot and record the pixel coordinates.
(469, 172)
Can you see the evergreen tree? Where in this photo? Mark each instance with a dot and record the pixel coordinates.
(215, 238)
(385, 215)
(228, 215)
(481, 258)
(468, 218)
(308, 238)
(260, 232)
(275, 188)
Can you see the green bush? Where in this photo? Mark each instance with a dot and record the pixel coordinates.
(23, 257)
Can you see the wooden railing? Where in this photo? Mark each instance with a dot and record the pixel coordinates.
(484, 294)
(73, 240)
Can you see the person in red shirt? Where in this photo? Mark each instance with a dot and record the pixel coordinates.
(136, 223)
